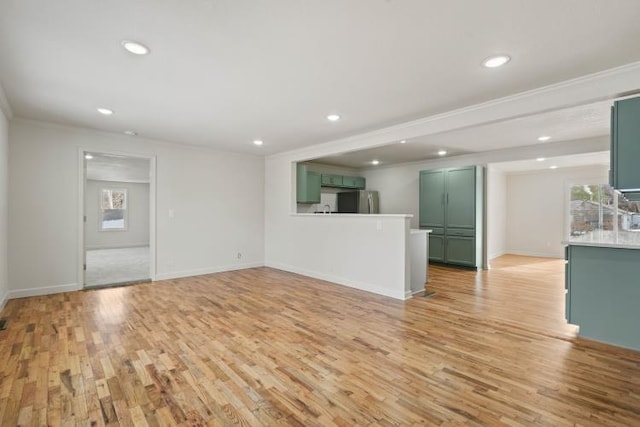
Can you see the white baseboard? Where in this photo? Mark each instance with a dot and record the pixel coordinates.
(209, 270)
(496, 255)
(340, 281)
(45, 290)
(4, 297)
(535, 254)
(118, 246)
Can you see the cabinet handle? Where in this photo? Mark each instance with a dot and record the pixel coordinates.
(447, 198)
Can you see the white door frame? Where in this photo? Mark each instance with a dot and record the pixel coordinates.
(152, 209)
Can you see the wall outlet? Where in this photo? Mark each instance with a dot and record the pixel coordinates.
(239, 255)
(378, 225)
(171, 213)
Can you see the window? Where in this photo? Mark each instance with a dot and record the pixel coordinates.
(113, 209)
(599, 214)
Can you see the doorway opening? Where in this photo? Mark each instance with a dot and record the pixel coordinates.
(117, 219)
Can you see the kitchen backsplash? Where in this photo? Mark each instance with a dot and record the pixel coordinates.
(326, 198)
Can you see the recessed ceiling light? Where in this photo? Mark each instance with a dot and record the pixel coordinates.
(540, 159)
(404, 141)
(105, 111)
(375, 162)
(544, 138)
(553, 167)
(496, 61)
(258, 142)
(135, 47)
(333, 117)
(130, 133)
(442, 153)
(88, 156)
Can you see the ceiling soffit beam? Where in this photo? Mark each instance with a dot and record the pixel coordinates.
(4, 104)
(609, 84)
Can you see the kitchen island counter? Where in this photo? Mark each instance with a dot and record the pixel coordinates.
(603, 292)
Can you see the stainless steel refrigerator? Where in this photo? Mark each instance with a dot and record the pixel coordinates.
(362, 202)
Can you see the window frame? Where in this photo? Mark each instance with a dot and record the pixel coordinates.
(101, 209)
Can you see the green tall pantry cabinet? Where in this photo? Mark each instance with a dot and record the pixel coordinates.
(451, 205)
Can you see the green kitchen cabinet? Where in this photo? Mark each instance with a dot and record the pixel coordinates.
(451, 205)
(436, 247)
(356, 182)
(603, 291)
(625, 145)
(432, 199)
(461, 195)
(460, 250)
(307, 185)
(331, 180)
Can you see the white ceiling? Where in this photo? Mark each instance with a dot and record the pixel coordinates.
(107, 167)
(224, 72)
(575, 160)
(562, 125)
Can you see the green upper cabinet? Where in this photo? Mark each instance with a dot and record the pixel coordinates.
(339, 181)
(307, 185)
(353, 182)
(625, 145)
(461, 197)
(331, 180)
(432, 198)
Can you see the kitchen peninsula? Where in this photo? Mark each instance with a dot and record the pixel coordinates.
(602, 281)
(371, 252)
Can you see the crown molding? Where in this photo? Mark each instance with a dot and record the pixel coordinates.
(4, 104)
(611, 84)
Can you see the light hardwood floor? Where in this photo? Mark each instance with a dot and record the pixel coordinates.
(265, 347)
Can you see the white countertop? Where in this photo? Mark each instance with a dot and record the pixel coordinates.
(602, 245)
(420, 231)
(351, 215)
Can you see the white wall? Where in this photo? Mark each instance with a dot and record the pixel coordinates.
(137, 231)
(496, 213)
(367, 252)
(217, 198)
(537, 208)
(4, 223)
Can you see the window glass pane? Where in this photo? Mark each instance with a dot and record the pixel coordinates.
(112, 219)
(113, 199)
(113, 205)
(600, 215)
(629, 222)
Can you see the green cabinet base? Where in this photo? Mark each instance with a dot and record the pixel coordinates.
(604, 293)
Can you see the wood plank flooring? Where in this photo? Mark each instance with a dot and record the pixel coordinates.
(265, 347)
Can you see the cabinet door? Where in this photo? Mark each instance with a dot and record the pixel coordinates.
(625, 150)
(313, 187)
(307, 185)
(432, 198)
(460, 250)
(436, 248)
(353, 182)
(567, 285)
(329, 180)
(349, 182)
(460, 198)
(360, 183)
